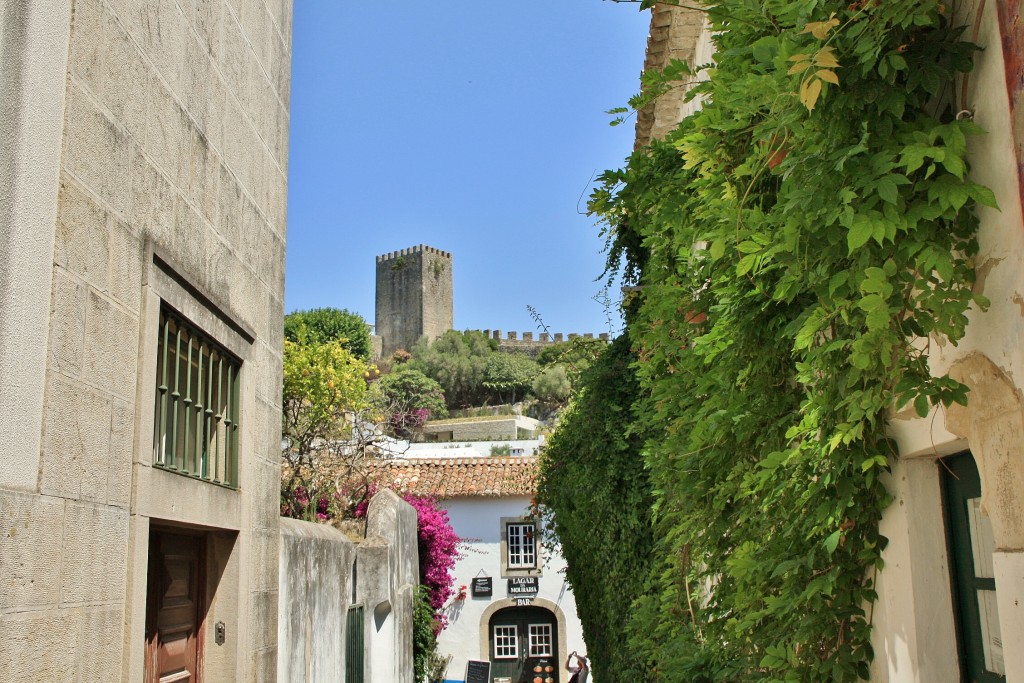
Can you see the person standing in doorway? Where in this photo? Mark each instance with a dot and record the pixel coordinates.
(581, 671)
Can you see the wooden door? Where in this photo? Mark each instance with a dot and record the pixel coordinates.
(971, 545)
(174, 608)
(524, 645)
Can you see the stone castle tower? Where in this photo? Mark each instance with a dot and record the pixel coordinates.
(414, 297)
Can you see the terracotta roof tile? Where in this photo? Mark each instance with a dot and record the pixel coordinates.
(452, 477)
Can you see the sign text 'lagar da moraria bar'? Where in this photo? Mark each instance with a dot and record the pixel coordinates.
(522, 586)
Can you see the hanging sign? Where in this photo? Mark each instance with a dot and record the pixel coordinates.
(523, 586)
(481, 587)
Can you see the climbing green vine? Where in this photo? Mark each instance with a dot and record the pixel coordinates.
(595, 489)
(799, 244)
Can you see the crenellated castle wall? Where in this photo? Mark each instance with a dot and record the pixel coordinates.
(526, 343)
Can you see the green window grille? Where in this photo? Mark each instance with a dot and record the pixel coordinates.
(196, 426)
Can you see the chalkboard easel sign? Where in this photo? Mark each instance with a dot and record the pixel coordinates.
(478, 671)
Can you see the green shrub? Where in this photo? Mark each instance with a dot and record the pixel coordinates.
(322, 325)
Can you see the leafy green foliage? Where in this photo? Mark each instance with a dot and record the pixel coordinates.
(324, 386)
(321, 325)
(509, 375)
(424, 637)
(576, 354)
(471, 371)
(322, 382)
(799, 243)
(456, 361)
(410, 398)
(552, 386)
(595, 492)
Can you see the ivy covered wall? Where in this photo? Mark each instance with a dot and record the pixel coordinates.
(798, 245)
(593, 479)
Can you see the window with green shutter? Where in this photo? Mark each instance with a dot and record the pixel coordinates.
(196, 422)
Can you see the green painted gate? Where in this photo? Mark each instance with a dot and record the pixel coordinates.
(354, 645)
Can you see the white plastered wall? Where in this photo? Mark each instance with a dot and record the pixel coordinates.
(913, 635)
(477, 521)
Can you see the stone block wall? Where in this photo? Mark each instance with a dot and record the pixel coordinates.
(497, 429)
(676, 33)
(414, 297)
(146, 147)
(500, 428)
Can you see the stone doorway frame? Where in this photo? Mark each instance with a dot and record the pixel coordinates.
(563, 637)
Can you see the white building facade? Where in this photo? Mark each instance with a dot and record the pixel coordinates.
(513, 608)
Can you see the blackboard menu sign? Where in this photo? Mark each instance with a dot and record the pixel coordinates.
(482, 587)
(523, 586)
(478, 671)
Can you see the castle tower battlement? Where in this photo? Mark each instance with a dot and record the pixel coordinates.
(414, 296)
(409, 251)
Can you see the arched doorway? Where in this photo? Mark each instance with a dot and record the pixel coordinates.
(523, 645)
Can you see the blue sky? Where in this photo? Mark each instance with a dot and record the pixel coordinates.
(472, 127)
